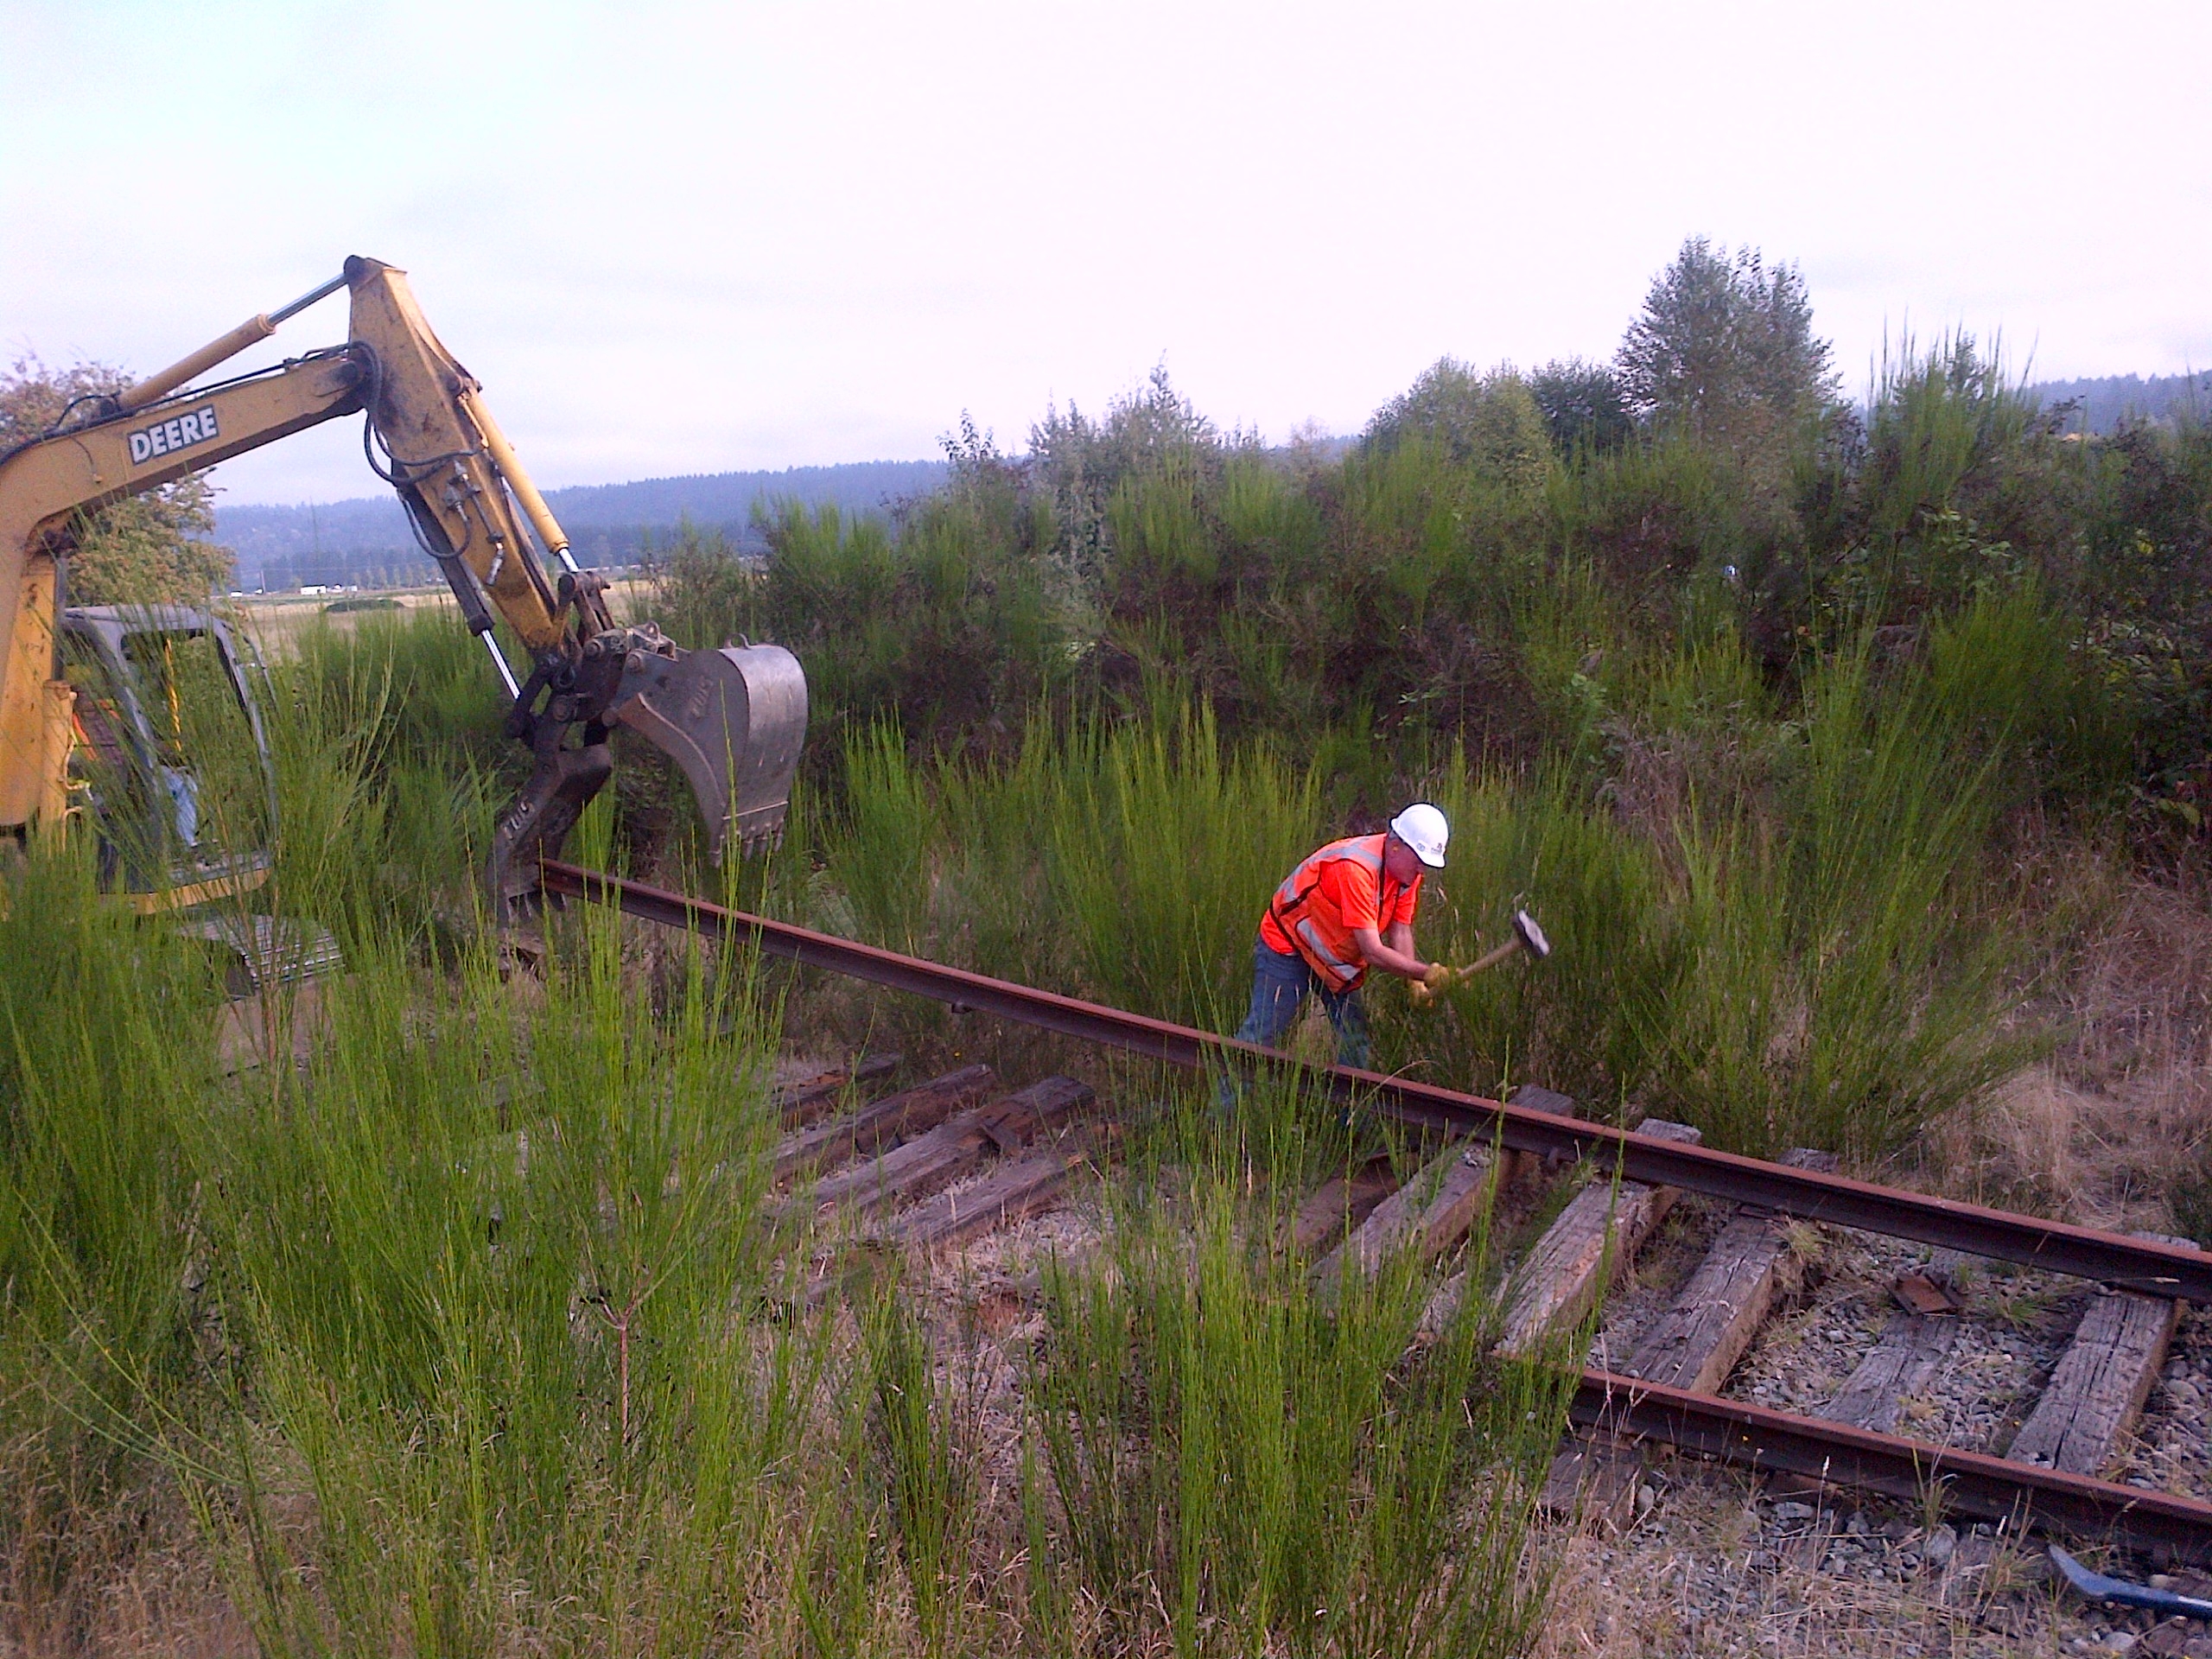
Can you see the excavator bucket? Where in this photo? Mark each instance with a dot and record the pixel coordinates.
(735, 720)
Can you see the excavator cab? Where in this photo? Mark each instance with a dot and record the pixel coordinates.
(161, 697)
(171, 763)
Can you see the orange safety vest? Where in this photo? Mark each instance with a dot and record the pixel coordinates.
(1317, 930)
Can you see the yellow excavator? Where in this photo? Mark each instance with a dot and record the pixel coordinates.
(84, 690)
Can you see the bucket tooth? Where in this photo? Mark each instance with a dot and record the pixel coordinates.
(735, 720)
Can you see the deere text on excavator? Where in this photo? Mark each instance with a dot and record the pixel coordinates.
(733, 719)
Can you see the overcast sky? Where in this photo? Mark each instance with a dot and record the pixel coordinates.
(675, 239)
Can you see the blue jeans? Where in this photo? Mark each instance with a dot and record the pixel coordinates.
(1279, 984)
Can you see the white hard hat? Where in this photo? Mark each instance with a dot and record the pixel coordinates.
(1423, 827)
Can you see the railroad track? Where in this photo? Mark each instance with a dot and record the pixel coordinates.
(946, 1162)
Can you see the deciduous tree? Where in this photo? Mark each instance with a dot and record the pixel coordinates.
(1488, 422)
(1726, 346)
(1582, 403)
(148, 549)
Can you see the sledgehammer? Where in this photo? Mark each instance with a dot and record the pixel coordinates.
(1526, 936)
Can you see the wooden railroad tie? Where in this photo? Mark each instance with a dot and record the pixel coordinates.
(1012, 1193)
(1423, 1218)
(879, 1123)
(1337, 1207)
(1895, 1371)
(800, 1101)
(1750, 1267)
(1567, 1271)
(954, 1149)
(938, 1157)
(1564, 1276)
(1374, 1216)
(2098, 1389)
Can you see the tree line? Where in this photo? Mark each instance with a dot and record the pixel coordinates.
(1503, 559)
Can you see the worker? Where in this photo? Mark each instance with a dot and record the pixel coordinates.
(1346, 908)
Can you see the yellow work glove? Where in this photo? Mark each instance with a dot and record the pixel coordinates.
(1438, 977)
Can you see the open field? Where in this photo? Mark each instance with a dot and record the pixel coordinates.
(1858, 778)
(275, 621)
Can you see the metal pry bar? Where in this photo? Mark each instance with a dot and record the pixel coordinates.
(2095, 1586)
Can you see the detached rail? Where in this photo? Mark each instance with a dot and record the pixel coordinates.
(2149, 1267)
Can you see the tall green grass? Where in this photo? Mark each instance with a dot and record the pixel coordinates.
(1786, 930)
(102, 1242)
(1157, 853)
(490, 1260)
(1241, 1472)
(1128, 860)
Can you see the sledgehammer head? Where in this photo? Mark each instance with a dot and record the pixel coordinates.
(1526, 936)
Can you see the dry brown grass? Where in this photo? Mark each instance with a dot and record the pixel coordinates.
(130, 1576)
(2106, 1159)
(2141, 995)
(2116, 1124)
(1697, 1578)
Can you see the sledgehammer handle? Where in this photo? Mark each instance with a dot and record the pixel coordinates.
(1491, 957)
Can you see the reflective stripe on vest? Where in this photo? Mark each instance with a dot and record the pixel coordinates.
(1311, 936)
(1293, 896)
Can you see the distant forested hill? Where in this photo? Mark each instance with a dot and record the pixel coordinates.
(2102, 405)
(367, 541)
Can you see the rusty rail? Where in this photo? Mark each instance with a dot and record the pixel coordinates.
(2144, 1265)
(1971, 1483)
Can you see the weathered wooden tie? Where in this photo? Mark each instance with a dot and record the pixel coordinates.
(2100, 1382)
(1009, 1193)
(1896, 1371)
(1567, 1271)
(1695, 1344)
(1334, 1210)
(1423, 1218)
(804, 1099)
(1564, 1274)
(954, 1149)
(909, 1112)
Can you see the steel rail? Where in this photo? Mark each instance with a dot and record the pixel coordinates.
(1970, 1483)
(2148, 1266)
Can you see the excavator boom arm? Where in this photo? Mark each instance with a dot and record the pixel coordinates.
(444, 456)
(733, 719)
